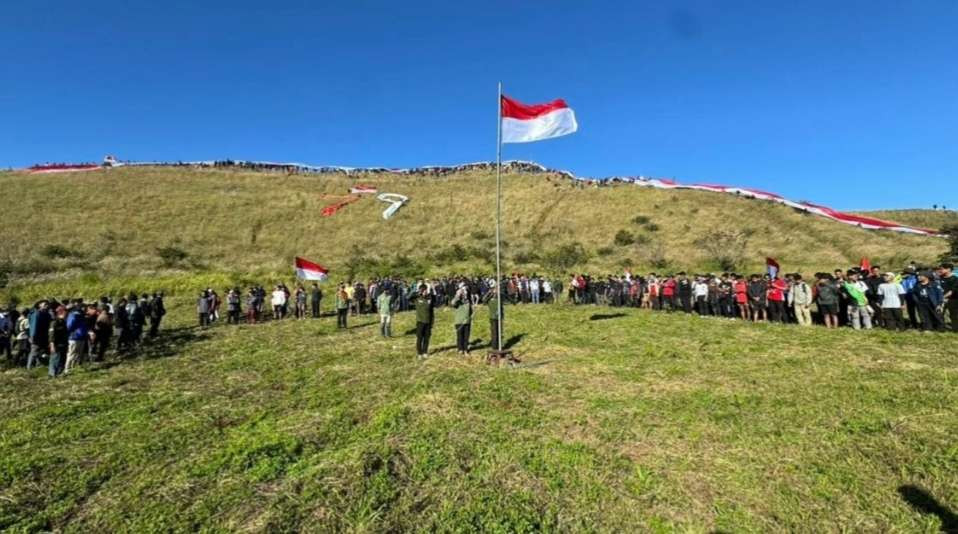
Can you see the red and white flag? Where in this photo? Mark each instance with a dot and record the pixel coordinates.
(523, 123)
(307, 270)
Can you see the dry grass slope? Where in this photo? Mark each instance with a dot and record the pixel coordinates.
(113, 223)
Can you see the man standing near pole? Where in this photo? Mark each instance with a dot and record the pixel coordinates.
(521, 123)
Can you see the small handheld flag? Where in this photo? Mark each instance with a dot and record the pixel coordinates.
(307, 270)
(866, 265)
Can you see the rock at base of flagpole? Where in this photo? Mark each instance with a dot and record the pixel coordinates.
(496, 356)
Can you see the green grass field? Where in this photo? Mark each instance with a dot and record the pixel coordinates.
(616, 421)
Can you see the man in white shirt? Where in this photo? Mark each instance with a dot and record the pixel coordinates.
(891, 292)
(278, 301)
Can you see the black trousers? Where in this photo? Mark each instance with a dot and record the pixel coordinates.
(204, 319)
(155, 326)
(341, 317)
(892, 318)
(423, 333)
(494, 334)
(462, 337)
(701, 304)
(686, 303)
(315, 304)
(952, 307)
(776, 311)
(930, 318)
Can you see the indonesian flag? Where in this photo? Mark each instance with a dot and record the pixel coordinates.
(866, 265)
(523, 123)
(307, 270)
(772, 267)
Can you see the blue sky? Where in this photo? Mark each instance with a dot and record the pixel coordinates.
(854, 104)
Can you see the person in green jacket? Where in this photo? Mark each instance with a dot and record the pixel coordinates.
(425, 313)
(385, 306)
(342, 306)
(462, 318)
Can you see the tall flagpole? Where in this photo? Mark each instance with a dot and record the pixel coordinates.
(499, 214)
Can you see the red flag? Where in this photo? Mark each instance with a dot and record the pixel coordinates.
(866, 265)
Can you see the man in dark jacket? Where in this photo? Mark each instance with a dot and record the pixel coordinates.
(40, 320)
(683, 290)
(425, 314)
(157, 311)
(315, 299)
(949, 285)
(929, 298)
(495, 315)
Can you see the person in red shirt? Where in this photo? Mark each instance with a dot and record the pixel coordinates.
(741, 297)
(776, 299)
(668, 294)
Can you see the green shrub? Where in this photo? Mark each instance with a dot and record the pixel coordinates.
(652, 227)
(605, 251)
(57, 251)
(566, 256)
(624, 238)
(171, 255)
(641, 219)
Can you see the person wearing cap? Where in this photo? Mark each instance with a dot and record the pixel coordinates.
(462, 318)
(890, 295)
(425, 314)
(949, 285)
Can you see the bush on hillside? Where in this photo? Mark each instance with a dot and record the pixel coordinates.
(624, 238)
(652, 227)
(605, 251)
(57, 251)
(641, 219)
(171, 255)
(566, 256)
(726, 248)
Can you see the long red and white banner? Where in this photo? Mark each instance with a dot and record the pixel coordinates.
(861, 221)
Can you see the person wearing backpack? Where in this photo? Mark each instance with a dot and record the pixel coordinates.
(800, 297)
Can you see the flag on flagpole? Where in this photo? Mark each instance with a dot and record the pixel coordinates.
(772, 267)
(866, 265)
(522, 123)
(307, 270)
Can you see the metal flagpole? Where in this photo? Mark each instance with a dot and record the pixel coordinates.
(499, 213)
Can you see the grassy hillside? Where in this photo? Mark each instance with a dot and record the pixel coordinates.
(632, 421)
(113, 223)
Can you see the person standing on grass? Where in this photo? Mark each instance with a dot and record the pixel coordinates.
(928, 301)
(384, 305)
(251, 300)
(683, 290)
(700, 290)
(6, 333)
(342, 306)
(300, 302)
(157, 312)
(462, 318)
(425, 314)
(949, 285)
(59, 342)
(203, 309)
(776, 300)
(40, 320)
(800, 298)
(858, 313)
(908, 282)
(23, 337)
(278, 301)
(121, 320)
(233, 309)
(103, 331)
(890, 294)
(757, 298)
(315, 298)
(76, 342)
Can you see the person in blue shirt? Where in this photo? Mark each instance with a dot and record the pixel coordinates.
(928, 301)
(78, 334)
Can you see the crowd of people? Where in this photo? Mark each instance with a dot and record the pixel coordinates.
(918, 298)
(64, 333)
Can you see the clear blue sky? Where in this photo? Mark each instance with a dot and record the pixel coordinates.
(849, 103)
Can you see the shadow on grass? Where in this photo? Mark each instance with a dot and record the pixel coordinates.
(168, 343)
(604, 316)
(923, 502)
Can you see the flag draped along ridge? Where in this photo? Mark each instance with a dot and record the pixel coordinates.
(522, 123)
